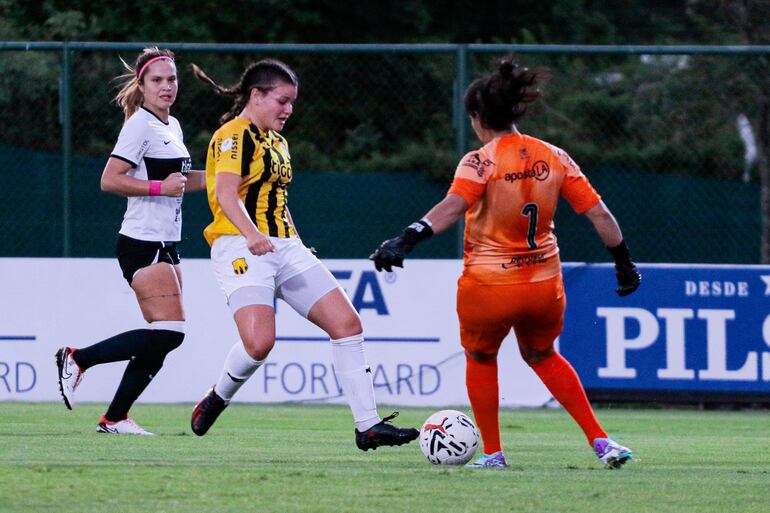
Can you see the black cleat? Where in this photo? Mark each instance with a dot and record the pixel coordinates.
(383, 433)
(206, 412)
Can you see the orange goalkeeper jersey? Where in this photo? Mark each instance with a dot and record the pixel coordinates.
(512, 186)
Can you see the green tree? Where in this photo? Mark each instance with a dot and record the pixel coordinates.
(744, 84)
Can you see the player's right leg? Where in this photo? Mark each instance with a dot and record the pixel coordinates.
(150, 269)
(256, 326)
(536, 335)
(159, 294)
(249, 285)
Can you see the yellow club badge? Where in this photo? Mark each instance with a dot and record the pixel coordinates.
(240, 266)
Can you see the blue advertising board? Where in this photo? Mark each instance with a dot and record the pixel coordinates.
(689, 329)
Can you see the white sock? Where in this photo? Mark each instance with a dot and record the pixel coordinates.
(239, 367)
(356, 379)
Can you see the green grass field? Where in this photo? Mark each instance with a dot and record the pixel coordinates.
(303, 458)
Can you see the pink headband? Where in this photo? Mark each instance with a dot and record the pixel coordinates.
(154, 59)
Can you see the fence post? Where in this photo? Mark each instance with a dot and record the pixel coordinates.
(65, 118)
(461, 125)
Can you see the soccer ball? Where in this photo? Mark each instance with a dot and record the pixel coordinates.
(449, 437)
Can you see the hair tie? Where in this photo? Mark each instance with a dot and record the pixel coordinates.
(154, 59)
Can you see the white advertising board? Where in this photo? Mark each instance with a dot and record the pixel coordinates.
(409, 322)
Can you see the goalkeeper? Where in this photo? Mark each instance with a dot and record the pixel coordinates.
(508, 190)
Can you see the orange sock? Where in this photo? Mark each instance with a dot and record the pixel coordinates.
(564, 384)
(481, 381)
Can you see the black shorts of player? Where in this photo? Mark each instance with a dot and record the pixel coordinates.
(136, 254)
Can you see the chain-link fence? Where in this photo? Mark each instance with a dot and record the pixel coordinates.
(669, 137)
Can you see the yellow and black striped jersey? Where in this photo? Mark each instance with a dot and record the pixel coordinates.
(262, 160)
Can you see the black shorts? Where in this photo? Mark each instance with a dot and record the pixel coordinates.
(136, 254)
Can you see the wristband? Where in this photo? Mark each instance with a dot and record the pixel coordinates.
(417, 232)
(155, 187)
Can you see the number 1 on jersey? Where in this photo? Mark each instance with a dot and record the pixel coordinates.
(530, 211)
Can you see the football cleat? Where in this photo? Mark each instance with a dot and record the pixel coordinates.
(611, 453)
(206, 412)
(495, 461)
(384, 433)
(70, 375)
(121, 427)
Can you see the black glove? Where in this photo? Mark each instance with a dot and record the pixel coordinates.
(625, 271)
(393, 251)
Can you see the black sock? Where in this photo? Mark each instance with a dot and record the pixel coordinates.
(140, 371)
(114, 349)
(137, 376)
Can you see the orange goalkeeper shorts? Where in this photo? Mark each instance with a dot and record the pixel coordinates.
(488, 311)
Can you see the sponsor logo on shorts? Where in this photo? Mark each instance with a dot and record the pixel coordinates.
(240, 266)
(525, 260)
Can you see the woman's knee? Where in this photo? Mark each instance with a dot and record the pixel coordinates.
(344, 326)
(258, 347)
(336, 316)
(480, 356)
(532, 355)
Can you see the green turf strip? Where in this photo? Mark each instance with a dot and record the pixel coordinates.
(288, 458)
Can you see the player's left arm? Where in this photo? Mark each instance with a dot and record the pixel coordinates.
(196, 180)
(585, 200)
(607, 227)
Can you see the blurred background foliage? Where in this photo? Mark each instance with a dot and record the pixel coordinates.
(676, 115)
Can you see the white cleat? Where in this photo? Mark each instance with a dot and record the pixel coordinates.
(70, 375)
(611, 453)
(121, 427)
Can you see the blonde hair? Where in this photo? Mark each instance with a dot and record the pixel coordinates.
(130, 97)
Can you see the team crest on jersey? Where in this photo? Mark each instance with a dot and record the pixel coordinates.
(240, 266)
(474, 162)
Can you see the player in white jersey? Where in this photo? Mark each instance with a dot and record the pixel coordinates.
(150, 165)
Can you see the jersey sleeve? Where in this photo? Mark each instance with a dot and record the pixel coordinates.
(229, 150)
(472, 174)
(133, 141)
(576, 188)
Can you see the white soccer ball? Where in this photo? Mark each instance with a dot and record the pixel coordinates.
(449, 437)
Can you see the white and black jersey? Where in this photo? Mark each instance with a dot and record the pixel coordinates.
(155, 149)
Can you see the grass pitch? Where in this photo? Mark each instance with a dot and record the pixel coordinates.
(291, 458)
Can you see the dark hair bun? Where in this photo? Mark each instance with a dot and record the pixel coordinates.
(506, 67)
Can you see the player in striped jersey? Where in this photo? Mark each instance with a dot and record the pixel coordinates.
(258, 256)
(508, 190)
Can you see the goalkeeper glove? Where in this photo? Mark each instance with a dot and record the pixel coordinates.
(392, 251)
(625, 271)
